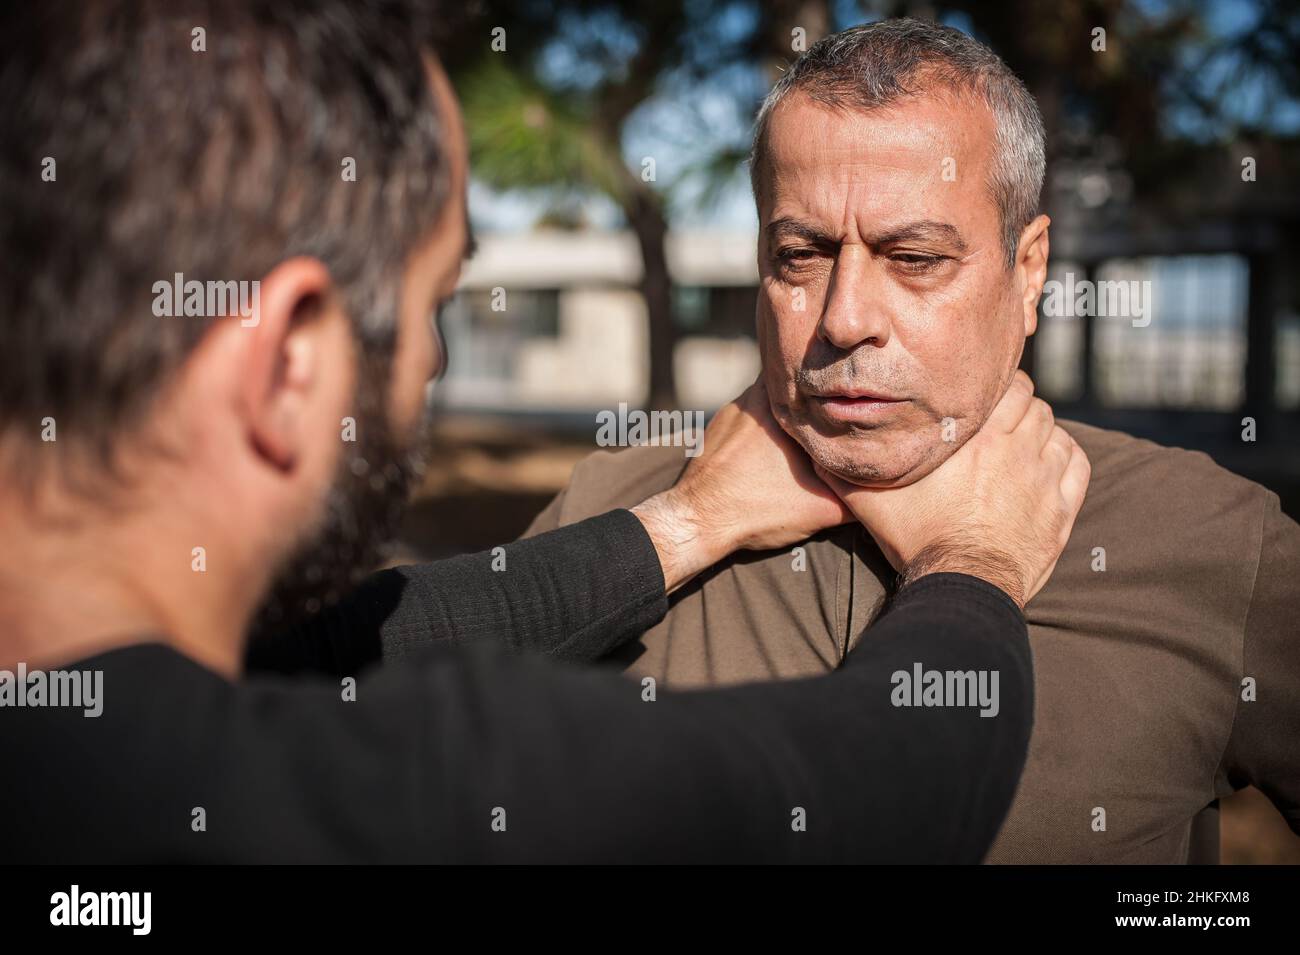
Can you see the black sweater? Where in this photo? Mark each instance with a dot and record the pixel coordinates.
(470, 749)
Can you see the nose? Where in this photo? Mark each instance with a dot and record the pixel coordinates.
(855, 312)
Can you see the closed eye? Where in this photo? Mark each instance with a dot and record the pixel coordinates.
(801, 255)
(916, 263)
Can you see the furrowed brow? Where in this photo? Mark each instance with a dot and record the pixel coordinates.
(788, 226)
(924, 231)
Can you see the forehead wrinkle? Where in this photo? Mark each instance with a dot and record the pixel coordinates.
(866, 202)
(803, 228)
(801, 165)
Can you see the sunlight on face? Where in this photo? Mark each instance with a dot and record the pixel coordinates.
(888, 321)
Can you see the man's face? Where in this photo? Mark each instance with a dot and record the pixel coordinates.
(882, 276)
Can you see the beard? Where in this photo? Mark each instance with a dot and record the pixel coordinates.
(362, 509)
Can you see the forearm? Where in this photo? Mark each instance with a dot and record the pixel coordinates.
(829, 769)
(574, 594)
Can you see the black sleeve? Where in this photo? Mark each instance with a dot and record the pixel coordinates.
(573, 594)
(476, 756)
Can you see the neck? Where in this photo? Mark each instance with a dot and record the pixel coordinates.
(76, 581)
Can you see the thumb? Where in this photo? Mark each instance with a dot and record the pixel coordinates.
(860, 500)
(837, 485)
(870, 506)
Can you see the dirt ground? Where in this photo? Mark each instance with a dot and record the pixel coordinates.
(488, 480)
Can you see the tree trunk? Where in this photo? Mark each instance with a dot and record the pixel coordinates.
(645, 214)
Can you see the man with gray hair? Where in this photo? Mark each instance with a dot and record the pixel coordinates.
(897, 170)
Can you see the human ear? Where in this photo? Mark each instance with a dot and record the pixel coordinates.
(1031, 269)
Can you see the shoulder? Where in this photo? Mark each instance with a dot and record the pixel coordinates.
(611, 479)
(1187, 507)
(1189, 477)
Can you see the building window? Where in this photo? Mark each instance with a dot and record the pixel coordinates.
(1177, 339)
(718, 311)
(482, 343)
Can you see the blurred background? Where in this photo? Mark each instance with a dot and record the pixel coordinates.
(617, 233)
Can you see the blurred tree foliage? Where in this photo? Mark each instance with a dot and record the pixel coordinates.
(549, 112)
(1163, 109)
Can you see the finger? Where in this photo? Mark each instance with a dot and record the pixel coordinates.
(1013, 405)
(1038, 424)
(826, 491)
(862, 502)
(1074, 482)
(1058, 448)
(842, 488)
(1074, 485)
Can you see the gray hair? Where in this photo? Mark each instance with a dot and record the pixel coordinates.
(874, 65)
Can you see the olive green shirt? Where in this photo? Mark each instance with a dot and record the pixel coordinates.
(1166, 644)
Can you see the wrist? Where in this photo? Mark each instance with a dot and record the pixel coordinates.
(684, 539)
(953, 557)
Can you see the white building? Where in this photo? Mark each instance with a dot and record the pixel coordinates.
(552, 320)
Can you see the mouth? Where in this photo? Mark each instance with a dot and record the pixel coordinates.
(857, 406)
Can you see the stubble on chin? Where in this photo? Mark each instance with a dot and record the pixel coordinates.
(883, 460)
